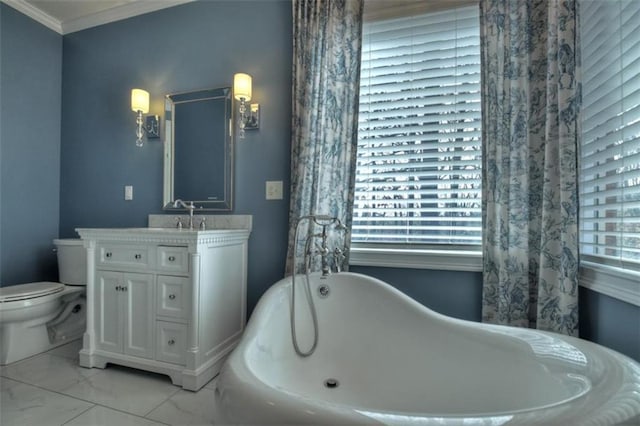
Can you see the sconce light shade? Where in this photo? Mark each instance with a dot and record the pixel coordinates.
(242, 86)
(140, 100)
(140, 105)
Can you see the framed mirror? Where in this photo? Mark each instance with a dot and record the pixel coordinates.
(198, 153)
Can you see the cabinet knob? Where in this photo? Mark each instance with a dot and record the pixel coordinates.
(172, 258)
(124, 288)
(118, 288)
(108, 254)
(172, 296)
(171, 342)
(138, 256)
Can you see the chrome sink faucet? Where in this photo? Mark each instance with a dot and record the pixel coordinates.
(179, 203)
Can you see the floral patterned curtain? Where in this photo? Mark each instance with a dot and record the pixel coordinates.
(530, 106)
(327, 40)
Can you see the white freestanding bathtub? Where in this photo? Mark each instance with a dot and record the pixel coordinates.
(384, 358)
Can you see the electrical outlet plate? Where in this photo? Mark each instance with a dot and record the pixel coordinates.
(274, 190)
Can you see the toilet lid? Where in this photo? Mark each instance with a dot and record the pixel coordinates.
(28, 291)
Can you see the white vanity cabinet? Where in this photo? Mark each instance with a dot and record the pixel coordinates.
(165, 300)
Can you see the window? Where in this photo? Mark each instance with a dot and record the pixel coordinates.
(610, 147)
(419, 136)
(610, 156)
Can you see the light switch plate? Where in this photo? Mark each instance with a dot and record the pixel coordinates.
(128, 192)
(274, 190)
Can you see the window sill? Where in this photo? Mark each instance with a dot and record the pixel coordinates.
(447, 260)
(614, 282)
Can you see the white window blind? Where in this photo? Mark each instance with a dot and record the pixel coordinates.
(419, 143)
(610, 147)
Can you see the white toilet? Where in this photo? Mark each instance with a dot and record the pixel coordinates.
(36, 317)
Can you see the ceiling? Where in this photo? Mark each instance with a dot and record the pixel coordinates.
(67, 16)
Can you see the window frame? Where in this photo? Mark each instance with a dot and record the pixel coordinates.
(611, 278)
(614, 282)
(611, 281)
(415, 256)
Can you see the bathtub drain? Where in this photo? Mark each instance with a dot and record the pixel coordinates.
(331, 383)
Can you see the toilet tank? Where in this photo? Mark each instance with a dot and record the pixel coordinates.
(72, 261)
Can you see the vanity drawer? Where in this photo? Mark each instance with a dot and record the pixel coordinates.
(124, 256)
(173, 259)
(171, 342)
(172, 297)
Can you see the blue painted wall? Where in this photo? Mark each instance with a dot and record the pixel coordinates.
(603, 319)
(452, 293)
(194, 46)
(30, 82)
(610, 322)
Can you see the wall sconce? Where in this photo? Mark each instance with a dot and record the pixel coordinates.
(140, 105)
(242, 93)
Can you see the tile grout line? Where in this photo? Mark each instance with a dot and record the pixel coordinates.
(73, 418)
(50, 390)
(93, 404)
(118, 409)
(158, 406)
(179, 388)
(204, 388)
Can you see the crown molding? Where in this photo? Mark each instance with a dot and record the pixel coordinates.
(35, 14)
(118, 13)
(114, 14)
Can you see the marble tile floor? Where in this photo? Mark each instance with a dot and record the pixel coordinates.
(51, 389)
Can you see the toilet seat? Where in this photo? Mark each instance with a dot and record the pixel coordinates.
(29, 291)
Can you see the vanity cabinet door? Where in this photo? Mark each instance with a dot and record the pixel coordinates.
(125, 313)
(139, 315)
(109, 322)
